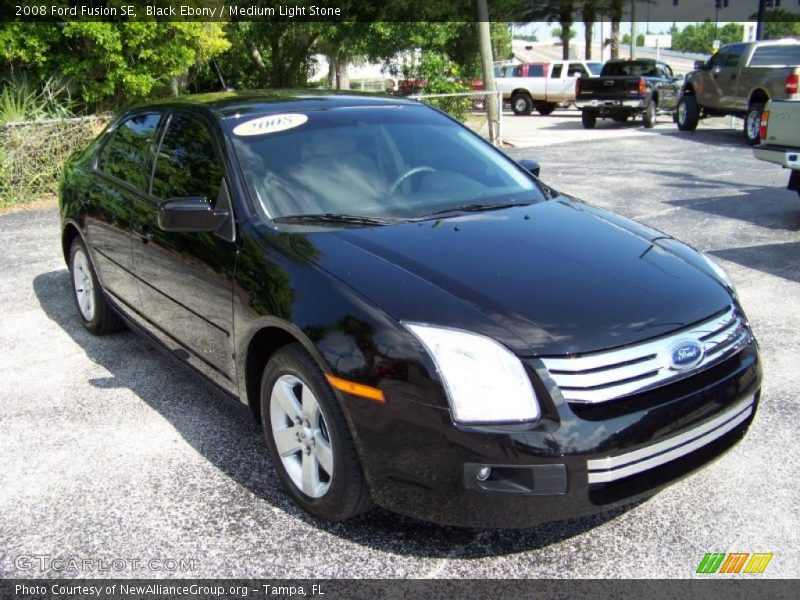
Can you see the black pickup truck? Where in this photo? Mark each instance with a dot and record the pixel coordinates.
(628, 88)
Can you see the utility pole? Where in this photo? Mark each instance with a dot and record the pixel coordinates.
(633, 29)
(487, 62)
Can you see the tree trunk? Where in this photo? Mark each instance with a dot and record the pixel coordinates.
(589, 18)
(587, 39)
(332, 72)
(259, 62)
(342, 77)
(566, 29)
(614, 38)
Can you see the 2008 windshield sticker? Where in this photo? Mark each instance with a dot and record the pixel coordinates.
(270, 124)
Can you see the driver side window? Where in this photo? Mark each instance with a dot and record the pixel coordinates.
(187, 164)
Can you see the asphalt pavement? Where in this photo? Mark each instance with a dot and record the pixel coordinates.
(112, 452)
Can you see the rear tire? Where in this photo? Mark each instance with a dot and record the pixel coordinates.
(545, 109)
(650, 116)
(752, 123)
(95, 312)
(687, 114)
(317, 462)
(589, 119)
(521, 104)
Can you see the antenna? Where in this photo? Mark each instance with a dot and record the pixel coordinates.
(225, 88)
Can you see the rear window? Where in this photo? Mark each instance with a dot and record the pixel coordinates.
(535, 70)
(630, 69)
(766, 56)
(595, 68)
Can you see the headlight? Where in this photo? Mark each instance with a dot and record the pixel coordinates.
(719, 272)
(485, 383)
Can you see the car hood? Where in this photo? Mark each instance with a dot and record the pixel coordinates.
(559, 277)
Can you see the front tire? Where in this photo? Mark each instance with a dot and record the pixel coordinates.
(589, 119)
(521, 104)
(650, 115)
(94, 310)
(752, 123)
(308, 438)
(687, 114)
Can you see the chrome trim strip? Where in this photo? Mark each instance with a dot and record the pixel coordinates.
(612, 374)
(612, 468)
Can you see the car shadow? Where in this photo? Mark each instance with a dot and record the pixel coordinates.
(710, 136)
(222, 430)
(780, 260)
(768, 207)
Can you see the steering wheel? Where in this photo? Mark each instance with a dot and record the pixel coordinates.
(409, 173)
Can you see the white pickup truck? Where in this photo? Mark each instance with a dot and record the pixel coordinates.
(780, 138)
(543, 86)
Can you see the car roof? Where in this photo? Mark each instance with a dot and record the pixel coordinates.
(262, 102)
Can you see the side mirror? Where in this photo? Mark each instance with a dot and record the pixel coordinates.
(192, 214)
(531, 165)
(699, 65)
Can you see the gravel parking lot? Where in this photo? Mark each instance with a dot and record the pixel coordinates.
(110, 451)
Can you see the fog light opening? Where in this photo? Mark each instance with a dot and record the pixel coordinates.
(483, 474)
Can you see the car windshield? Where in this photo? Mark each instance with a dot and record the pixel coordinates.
(383, 162)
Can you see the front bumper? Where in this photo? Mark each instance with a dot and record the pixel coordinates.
(577, 460)
(786, 157)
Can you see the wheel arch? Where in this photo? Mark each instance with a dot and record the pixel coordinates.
(266, 339)
(688, 90)
(758, 95)
(68, 235)
(522, 91)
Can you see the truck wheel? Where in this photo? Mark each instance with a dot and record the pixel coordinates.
(589, 119)
(521, 104)
(687, 113)
(545, 109)
(752, 123)
(650, 115)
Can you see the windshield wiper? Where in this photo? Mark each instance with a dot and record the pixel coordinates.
(332, 218)
(476, 207)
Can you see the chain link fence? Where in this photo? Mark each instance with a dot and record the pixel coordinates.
(472, 109)
(33, 153)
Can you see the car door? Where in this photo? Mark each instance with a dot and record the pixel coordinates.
(119, 182)
(558, 84)
(185, 279)
(668, 87)
(720, 81)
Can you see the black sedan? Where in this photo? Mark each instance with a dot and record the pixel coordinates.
(416, 320)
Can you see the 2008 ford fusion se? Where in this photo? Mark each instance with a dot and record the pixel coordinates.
(416, 320)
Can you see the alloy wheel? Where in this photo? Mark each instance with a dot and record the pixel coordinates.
(301, 436)
(83, 284)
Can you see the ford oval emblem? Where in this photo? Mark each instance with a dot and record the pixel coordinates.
(686, 354)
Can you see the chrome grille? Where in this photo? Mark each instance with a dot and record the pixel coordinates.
(604, 376)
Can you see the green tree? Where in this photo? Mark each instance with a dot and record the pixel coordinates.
(700, 38)
(780, 23)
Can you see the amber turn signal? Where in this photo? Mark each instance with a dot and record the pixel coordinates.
(356, 389)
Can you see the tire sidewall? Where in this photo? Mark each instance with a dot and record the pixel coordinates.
(528, 104)
(753, 112)
(328, 505)
(650, 115)
(94, 323)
